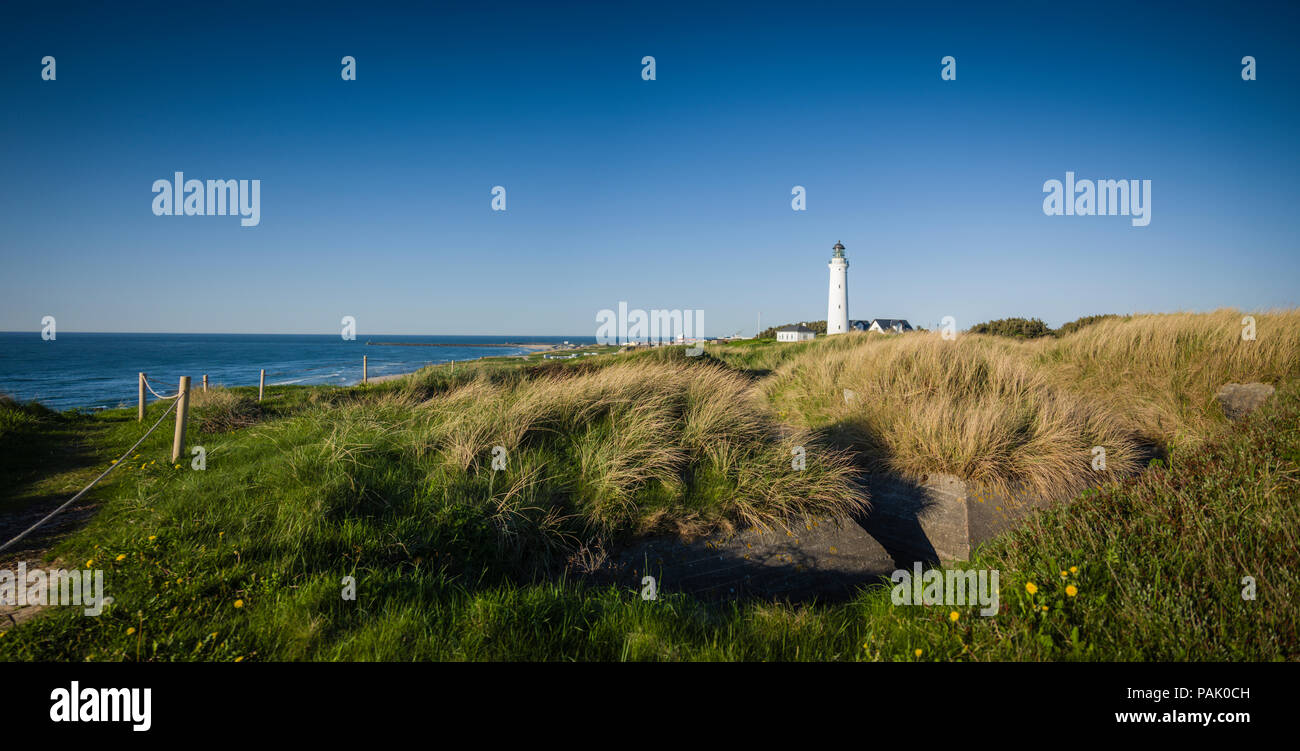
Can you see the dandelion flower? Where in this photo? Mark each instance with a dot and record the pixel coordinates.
(1031, 588)
(917, 653)
(1064, 574)
(239, 658)
(90, 563)
(130, 630)
(1074, 569)
(153, 537)
(239, 603)
(121, 556)
(1072, 590)
(953, 616)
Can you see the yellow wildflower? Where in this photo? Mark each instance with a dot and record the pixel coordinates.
(953, 616)
(1031, 588)
(1072, 590)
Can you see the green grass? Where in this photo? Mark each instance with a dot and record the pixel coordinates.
(320, 489)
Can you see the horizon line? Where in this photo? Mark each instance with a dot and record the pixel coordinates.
(295, 333)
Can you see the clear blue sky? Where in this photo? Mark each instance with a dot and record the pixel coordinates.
(673, 193)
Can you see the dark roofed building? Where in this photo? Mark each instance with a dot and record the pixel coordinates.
(886, 325)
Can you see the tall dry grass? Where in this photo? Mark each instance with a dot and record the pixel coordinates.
(974, 408)
(1160, 372)
(1026, 414)
(589, 455)
(219, 410)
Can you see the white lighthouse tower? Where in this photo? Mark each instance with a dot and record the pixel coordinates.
(837, 306)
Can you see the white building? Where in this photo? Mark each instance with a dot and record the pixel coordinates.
(798, 333)
(889, 325)
(837, 305)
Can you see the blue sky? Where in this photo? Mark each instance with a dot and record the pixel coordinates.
(673, 193)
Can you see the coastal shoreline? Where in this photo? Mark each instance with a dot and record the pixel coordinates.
(532, 348)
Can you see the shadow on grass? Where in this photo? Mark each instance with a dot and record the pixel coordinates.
(38, 445)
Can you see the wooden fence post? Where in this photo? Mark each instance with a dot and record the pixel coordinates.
(182, 411)
(140, 417)
(205, 381)
(364, 364)
(261, 384)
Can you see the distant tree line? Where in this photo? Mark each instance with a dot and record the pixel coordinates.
(1016, 328)
(770, 332)
(1033, 328)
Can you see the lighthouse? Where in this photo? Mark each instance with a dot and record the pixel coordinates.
(837, 305)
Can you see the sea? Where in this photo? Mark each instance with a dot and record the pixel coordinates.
(92, 371)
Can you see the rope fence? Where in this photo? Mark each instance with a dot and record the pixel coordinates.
(180, 402)
(102, 475)
(155, 393)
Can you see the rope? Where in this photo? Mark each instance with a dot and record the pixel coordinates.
(155, 393)
(111, 467)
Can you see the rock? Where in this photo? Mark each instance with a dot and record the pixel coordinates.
(1240, 399)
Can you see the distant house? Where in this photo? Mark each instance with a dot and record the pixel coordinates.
(889, 325)
(794, 333)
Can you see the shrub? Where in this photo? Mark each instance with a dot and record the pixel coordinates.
(1075, 325)
(1019, 328)
(220, 410)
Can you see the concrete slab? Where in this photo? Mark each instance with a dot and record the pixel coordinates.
(937, 520)
(826, 559)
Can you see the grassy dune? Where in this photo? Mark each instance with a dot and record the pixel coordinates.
(393, 485)
(1005, 412)
(1158, 373)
